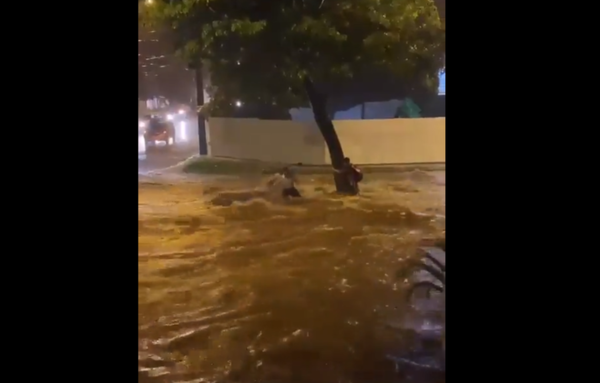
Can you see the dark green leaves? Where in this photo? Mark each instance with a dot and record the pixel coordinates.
(259, 50)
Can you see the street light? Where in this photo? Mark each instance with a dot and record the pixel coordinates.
(238, 103)
(149, 2)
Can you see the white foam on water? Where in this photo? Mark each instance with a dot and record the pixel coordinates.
(173, 168)
(223, 263)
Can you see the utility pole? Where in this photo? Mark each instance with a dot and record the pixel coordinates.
(202, 141)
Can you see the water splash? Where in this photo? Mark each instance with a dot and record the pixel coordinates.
(236, 284)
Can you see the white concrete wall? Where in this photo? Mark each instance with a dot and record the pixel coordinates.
(393, 141)
(266, 140)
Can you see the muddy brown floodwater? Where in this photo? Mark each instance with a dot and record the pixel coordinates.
(238, 286)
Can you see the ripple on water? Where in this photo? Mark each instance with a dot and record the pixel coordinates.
(243, 287)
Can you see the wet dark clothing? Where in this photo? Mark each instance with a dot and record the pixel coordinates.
(356, 174)
(290, 190)
(353, 174)
(290, 193)
(286, 180)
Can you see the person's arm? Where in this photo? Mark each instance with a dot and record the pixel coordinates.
(273, 180)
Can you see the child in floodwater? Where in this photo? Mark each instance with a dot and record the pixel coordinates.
(287, 182)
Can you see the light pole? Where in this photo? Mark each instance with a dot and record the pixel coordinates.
(197, 68)
(202, 141)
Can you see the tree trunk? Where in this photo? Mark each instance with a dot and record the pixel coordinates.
(319, 108)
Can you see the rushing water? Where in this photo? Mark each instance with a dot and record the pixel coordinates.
(236, 285)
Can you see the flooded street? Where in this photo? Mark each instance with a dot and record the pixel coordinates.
(236, 285)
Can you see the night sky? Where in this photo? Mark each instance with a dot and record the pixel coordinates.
(160, 73)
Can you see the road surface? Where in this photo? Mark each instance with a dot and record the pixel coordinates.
(157, 158)
(238, 285)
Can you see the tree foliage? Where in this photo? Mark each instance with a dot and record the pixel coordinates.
(259, 51)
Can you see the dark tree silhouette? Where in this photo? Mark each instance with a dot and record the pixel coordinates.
(261, 52)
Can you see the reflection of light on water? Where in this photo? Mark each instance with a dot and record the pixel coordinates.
(231, 277)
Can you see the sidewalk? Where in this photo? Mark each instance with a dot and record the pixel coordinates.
(225, 165)
(373, 168)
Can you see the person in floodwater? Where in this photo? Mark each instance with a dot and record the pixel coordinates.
(286, 180)
(353, 173)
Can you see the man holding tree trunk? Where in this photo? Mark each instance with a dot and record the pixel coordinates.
(351, 172)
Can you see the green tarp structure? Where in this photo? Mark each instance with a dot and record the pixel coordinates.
(408, 109)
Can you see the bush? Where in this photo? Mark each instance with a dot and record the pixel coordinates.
(221, 166)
